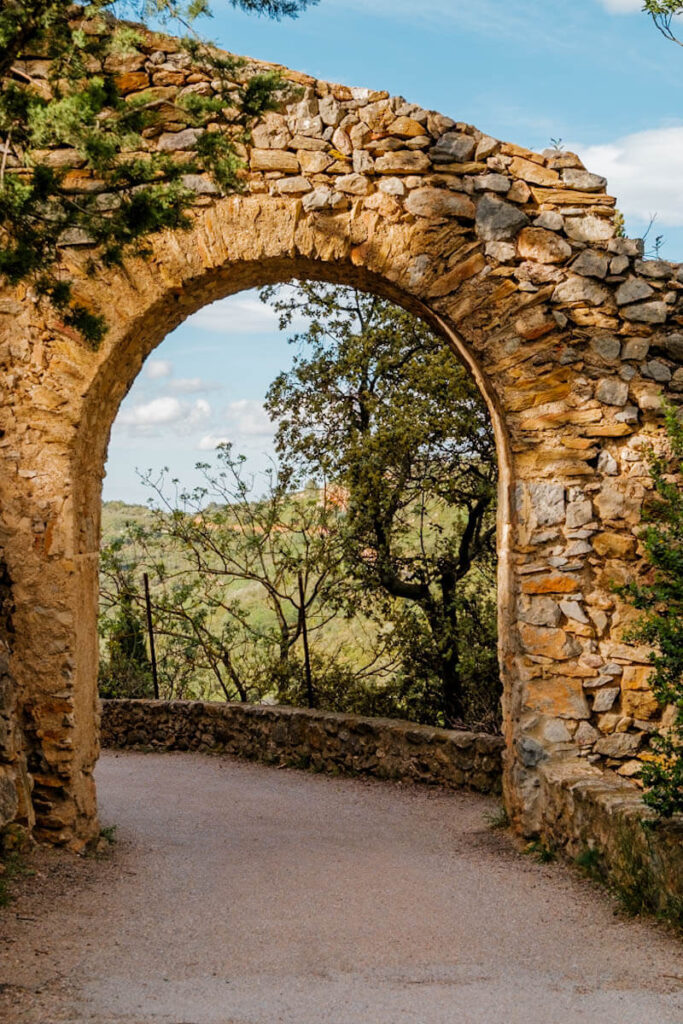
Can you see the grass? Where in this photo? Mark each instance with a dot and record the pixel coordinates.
(12, 866)
(541, 853)
(497, 819)
(108, 833)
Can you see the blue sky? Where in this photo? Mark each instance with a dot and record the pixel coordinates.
(594, 73)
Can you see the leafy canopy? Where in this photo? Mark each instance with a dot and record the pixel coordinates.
(62, 110)
(376, 403)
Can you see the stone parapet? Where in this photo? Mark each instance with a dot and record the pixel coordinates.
(595, 818)
(381, 747)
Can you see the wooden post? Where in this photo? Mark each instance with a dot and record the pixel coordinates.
(304, 632)
(150, 630)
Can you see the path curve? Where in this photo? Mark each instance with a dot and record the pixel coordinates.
(241, 894)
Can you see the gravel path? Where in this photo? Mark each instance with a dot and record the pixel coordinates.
(240, 894)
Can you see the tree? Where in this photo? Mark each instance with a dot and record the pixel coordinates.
(378, 403)
(206, 552)
(127, 671)
(660, 596)
(663, 13)
(62, 106)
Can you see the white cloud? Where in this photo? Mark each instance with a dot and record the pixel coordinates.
(157, 369)
(159, 410)
(236, 315)
(198, 412)
(164, 411)
(191, 385)
(248, 418)
(210, 442)
(644, 171)
(245, 424)
(622, 6)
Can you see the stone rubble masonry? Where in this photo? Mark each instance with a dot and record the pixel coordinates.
(381, 747)
(512, 256)
(586, 810)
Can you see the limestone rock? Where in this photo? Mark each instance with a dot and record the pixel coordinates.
(588, 228)
(614, 545)
(671, 345)
(453, 147)
(636, 348)
(636, 677)
(540, 611)
(437, 202)
(294, 185)
(549, 220)
(606, 346)
(647, 312)
(485, 147)
(172, 141)
(536, 243)
(492, 183)
(579, 512)
(547, 503)
(403, 161)
(573, 610)
(355, 184)
(604, 699)
(498, 220)
(591, 264)
(633, 290)
(611, 501)
(330, 111)
(657, 370)
(653, 268)
(581, 289)
(274, 160)
(619, 744)
(559, 697)
(532, 172)
(640, 704)
(607, 464)
(584, 181)
(611, 391)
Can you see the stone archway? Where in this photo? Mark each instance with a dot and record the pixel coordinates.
(513, 257)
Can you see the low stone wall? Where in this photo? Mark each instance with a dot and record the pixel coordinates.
(596, 819)
(381, 747)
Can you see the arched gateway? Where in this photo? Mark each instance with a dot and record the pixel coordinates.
(511, 256)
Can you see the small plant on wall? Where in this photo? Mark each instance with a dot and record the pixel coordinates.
(660, 597)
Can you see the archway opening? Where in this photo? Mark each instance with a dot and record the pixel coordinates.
(380, 443)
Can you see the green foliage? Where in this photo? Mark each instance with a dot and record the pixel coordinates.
(540, 852)
(72, 102)
(12, 866)
(378, 405)
(497, 820)
(660, 597)
(663, 13)
(127, 671)
(590, 861)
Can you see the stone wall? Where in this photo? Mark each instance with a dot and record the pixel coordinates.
(381, 747)
(512, 256)
(595, 818)
(15, 790)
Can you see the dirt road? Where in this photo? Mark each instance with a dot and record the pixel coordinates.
(241, 894)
